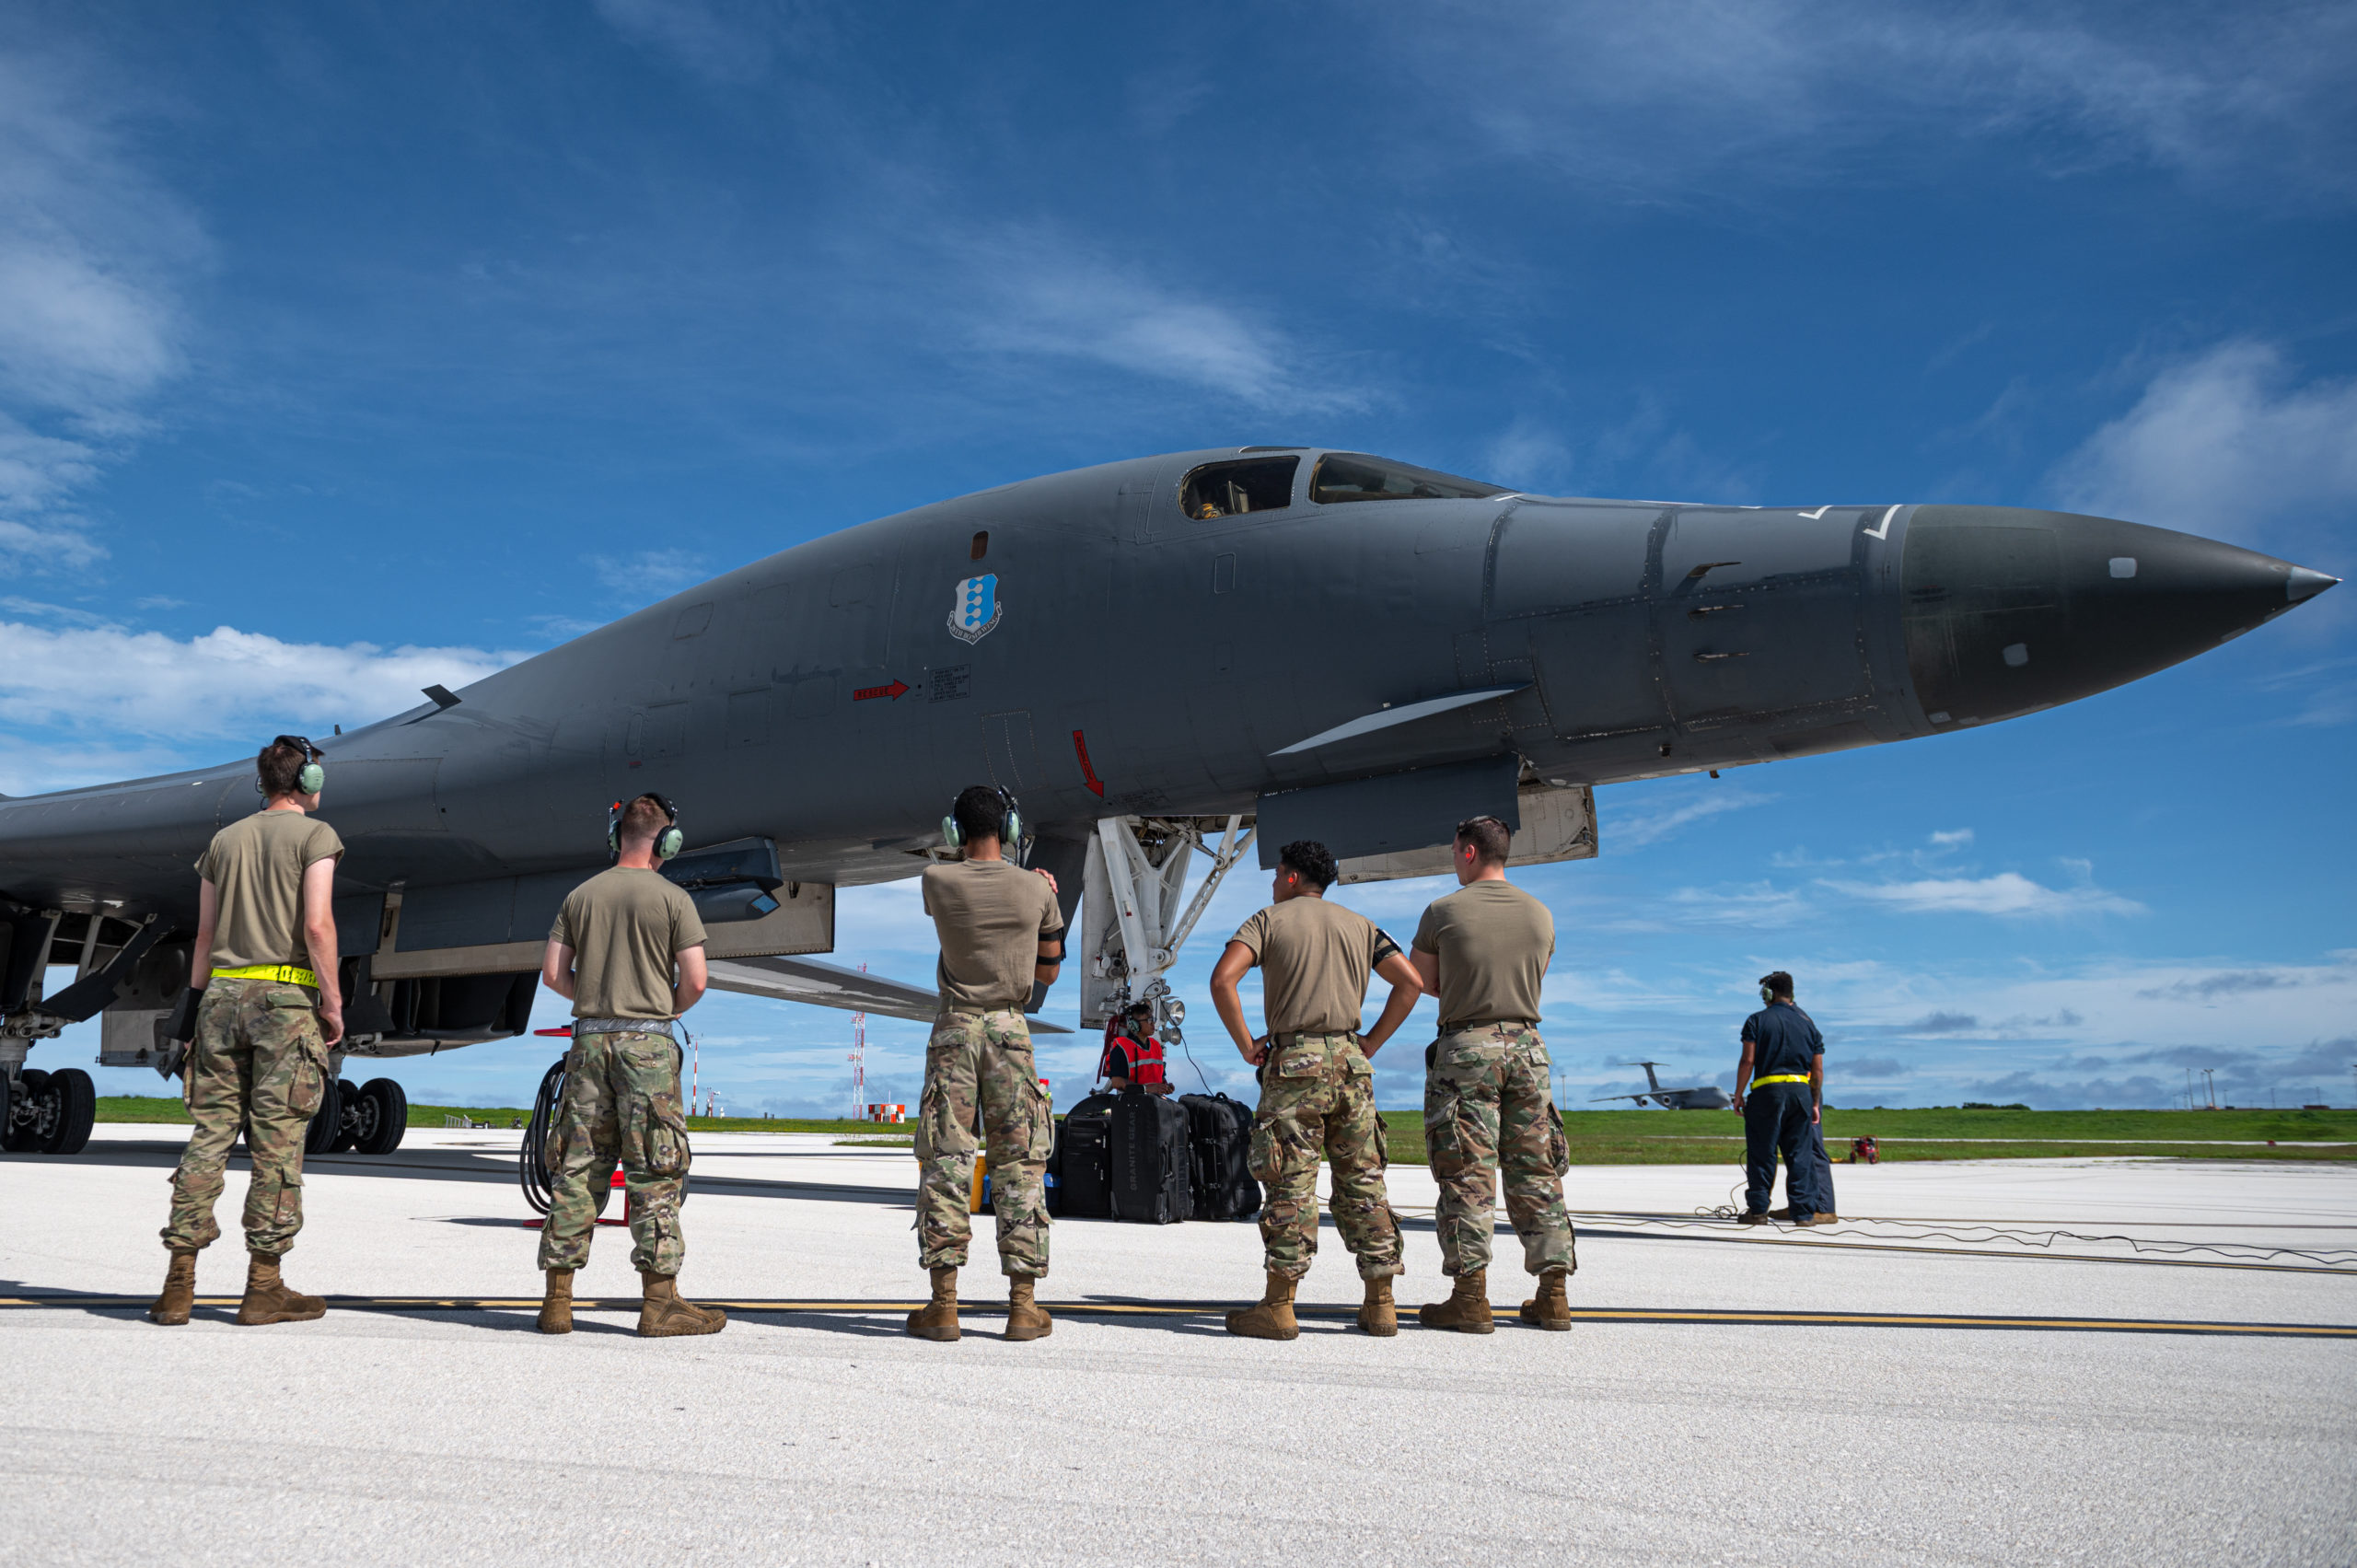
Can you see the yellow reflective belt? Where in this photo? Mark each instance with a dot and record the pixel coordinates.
(1755, 1083)
(284, 974)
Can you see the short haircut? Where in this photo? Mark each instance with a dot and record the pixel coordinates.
(642, 818)
(980, 812)
(1309, 859)
(1489, 838)
(278, 767)
(1778, 983)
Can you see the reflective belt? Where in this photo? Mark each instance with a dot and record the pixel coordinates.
(620, 1027)
(284, 974)
(1779, 1078)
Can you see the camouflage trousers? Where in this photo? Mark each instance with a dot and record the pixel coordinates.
(620, 1102)
(978, 1067)
(1318, 1097)
(258, 1062)
(1487, 1108)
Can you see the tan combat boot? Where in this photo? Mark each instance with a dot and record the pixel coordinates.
(665, 1312)
(1026, 1318)
(937, 1319)
(179, 1291)
(1467, 1310)
(1273, 1318)
(1548, 1309)
(556, 1305)
(1376, 1315)
(267, 1298)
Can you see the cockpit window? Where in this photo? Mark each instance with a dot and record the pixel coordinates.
(1225, 490)
(1352, 476)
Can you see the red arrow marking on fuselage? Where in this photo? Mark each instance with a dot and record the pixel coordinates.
(1087, 773)
(893, 692)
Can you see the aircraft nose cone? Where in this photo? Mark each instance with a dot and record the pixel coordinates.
(2306, 585)
(2007, 611)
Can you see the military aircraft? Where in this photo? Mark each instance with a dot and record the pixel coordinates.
(1710, 1096)
(1162, 657)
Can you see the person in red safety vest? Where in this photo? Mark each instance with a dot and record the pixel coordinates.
(1132, 1055)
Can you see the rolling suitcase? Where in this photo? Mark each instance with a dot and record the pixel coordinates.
(1079, 1176)
(1219, 1137)
(1151, 1183)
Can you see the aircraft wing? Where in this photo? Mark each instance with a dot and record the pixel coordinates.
(823, 984)
(1639, 1098)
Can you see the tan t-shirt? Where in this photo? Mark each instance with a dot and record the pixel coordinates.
(256, 866)
(991, 915)
(625, 926)
(1315, 959)
(1493, 942)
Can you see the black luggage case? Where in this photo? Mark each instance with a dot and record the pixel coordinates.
(1219, 1135)
(1151, 1182)
(1082, 1187)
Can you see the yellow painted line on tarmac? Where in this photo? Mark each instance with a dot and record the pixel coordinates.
(1728, 1317)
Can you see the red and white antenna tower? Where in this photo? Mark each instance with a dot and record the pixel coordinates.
(858, 1059)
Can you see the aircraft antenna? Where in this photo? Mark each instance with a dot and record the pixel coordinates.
(858, 1059)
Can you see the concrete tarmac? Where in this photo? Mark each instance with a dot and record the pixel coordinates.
(1734, 1395)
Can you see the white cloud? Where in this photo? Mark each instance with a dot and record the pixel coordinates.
(650, 574)
(1953, 837)
(2226, 443)
(1046, 298)
(1528, 455)
(90, 324)
(81, 680)
(1757, 904)
(1738, 94)
(2008, 894)
(1650, 825)
(721, 41)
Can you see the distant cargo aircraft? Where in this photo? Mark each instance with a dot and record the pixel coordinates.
(1160, 656)
(1710, 1096)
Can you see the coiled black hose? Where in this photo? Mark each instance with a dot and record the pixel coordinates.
(532, 1161)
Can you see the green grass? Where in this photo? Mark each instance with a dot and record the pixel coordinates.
(1678, 1137)
(142, 1107)
(1710, 1137)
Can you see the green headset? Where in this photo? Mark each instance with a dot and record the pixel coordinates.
(311, 777)
(1010, 821)
(667, 843)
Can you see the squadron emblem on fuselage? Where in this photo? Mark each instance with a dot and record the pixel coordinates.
(976, 609)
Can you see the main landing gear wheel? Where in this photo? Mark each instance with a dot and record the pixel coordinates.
(76, 1108)
(326, 1121)
(347, 1100)
(379, 1117)
(32, 1114)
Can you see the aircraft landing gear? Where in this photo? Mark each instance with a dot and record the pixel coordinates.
(326, 1121)
(49, 1113)
(1131, 927)
(364, 1118)
(375, 1115)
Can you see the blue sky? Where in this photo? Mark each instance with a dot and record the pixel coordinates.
(342, 351)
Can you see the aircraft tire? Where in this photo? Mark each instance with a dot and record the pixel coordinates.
(25, 1137)
(348, 1114)
(389, 1103)
(77, 1108)
(326, 1121)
